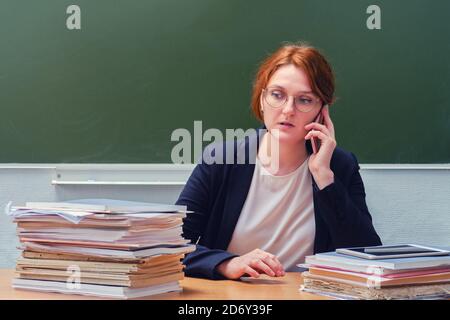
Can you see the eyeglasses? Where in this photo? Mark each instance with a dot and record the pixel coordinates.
(277, 97)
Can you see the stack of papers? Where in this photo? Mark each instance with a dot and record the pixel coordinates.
(100, 247)
(346, 277)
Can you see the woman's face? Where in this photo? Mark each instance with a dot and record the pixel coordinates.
(287, 118)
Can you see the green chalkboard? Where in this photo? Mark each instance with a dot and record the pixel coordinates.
(114, 91)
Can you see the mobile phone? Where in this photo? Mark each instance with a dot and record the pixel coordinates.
(315, 143)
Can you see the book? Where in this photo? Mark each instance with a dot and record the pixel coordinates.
(87, 223)
(104, 206)
(352, 263)
(387, 273)
(107, 245)
(147, 266)
(345, 276)
(104, 234)
(99, 252)
(100, 220)
(76, 210)
(94, 289)
(110, 249)
(382, 281)
(354, 290)
(103, 279)
(312, 262)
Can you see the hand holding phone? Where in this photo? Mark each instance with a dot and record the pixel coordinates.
(315, 143)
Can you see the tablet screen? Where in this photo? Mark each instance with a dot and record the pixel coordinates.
(391, 250)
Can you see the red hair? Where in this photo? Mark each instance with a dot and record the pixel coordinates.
(303, 56)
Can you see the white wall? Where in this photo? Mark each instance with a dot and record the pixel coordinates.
(411, 204)
(408, 203)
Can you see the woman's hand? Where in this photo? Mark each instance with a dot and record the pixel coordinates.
(253, 263)
(319, 163)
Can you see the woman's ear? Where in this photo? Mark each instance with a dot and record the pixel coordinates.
(261, 103)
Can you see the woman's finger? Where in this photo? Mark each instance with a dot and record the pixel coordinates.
(262, 266)
(281, 266)
(327, 120)
(317, 134)
(318, 126)
(325, 140)
(250, 271)
(272, 262)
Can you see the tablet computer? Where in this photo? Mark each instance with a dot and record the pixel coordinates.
(393, 251)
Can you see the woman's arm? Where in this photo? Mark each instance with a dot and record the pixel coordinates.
(343, 207)
(197, 195)
(345, 212)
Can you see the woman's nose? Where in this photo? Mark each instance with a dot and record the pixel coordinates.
(289, 106)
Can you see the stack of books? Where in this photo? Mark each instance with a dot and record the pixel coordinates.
(348, 277)
(100, 247)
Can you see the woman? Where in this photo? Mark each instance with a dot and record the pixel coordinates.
(264, 216)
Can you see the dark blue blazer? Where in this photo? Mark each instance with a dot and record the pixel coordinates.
(215, 193)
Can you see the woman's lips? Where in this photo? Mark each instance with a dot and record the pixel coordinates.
(285, 124)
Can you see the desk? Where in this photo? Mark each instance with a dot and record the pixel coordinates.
(283, 288)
